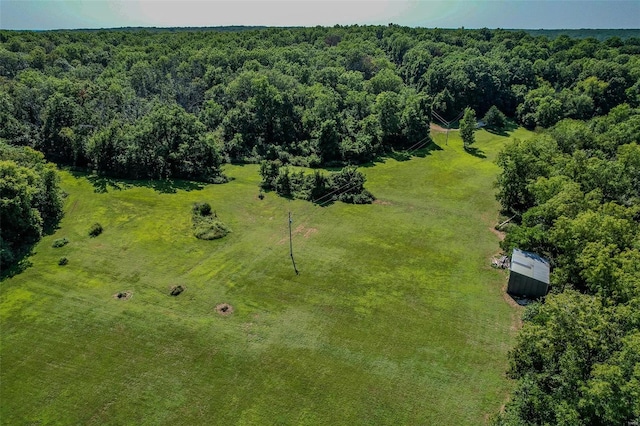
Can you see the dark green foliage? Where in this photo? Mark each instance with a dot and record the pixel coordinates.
(347, 185)
(269, 171)
(60, 242)
(467, 127)
(95, 230)
(63, 261)
(577, 356)
(494, 118)
(31, 200)
(202, 209)
(158, 104)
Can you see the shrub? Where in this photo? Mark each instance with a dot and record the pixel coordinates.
(206, 225)
(60, 242)
(494, 118)
(202, 209)
(95, 230)
(63, 261)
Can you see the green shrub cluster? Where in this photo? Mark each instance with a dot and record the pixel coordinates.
(206, 225)
(95, 230)
(347, 185)
(60, 242)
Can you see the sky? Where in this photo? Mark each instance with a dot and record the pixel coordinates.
(522, 14)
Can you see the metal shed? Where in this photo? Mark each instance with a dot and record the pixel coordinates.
(529, 274)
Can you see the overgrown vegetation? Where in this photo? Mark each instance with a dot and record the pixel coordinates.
(347, 185)
(206, 225)
(30, 201)
(576, 190)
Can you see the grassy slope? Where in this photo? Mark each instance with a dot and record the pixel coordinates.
(396, 317)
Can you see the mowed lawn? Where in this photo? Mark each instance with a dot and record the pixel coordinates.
(396, 316)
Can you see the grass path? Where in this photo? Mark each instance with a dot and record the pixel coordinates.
(395, 318)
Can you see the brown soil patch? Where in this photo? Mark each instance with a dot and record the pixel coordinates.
(123, 295)
(439, 129)
(300, 230)
(224, 309)
(500, 234)
(382, 202)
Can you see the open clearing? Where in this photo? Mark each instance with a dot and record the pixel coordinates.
(396, 316)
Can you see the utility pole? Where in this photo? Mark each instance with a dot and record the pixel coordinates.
(291, 246)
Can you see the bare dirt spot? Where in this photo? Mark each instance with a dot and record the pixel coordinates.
(500, 234)
(439, 129)
(176, 290)
(123, 295)
(383, 203)
(300, 230)
(224, 309)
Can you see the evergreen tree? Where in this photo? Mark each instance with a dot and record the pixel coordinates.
(467, 127)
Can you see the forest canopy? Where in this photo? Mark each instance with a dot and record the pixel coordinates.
(160, 104)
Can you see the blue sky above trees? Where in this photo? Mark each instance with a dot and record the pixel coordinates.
(525, 14)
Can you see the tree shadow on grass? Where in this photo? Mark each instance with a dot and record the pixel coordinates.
(104, 184)
(402, 156)
(20, 265)
(476, 152)
(503, 131)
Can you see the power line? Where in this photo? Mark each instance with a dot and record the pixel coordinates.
(291, 246)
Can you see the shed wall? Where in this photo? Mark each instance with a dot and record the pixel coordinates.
(523, 285)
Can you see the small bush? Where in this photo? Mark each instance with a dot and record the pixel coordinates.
(60, 242)
(63, 261)
(206, 225)
(202, 209)
(95, 230)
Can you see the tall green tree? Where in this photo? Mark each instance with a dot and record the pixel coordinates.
(468, 127)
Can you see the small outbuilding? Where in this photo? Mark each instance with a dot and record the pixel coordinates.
(528, 274)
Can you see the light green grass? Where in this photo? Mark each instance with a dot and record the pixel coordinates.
(395, 318)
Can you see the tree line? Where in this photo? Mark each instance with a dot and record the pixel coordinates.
(159, 104)
(575, 191)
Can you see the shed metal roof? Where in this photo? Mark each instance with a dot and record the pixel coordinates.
(530, 265)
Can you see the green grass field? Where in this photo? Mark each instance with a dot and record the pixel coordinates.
(396, 316)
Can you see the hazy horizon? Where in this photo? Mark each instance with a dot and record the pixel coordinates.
(526, 14)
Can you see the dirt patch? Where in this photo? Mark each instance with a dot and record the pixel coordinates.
(500, 234)
(439, 129)
(123, 295)
(382, 202)
(224, 309)
(176, 290)
(300, 230)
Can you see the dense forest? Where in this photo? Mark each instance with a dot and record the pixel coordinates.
(178, 104)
